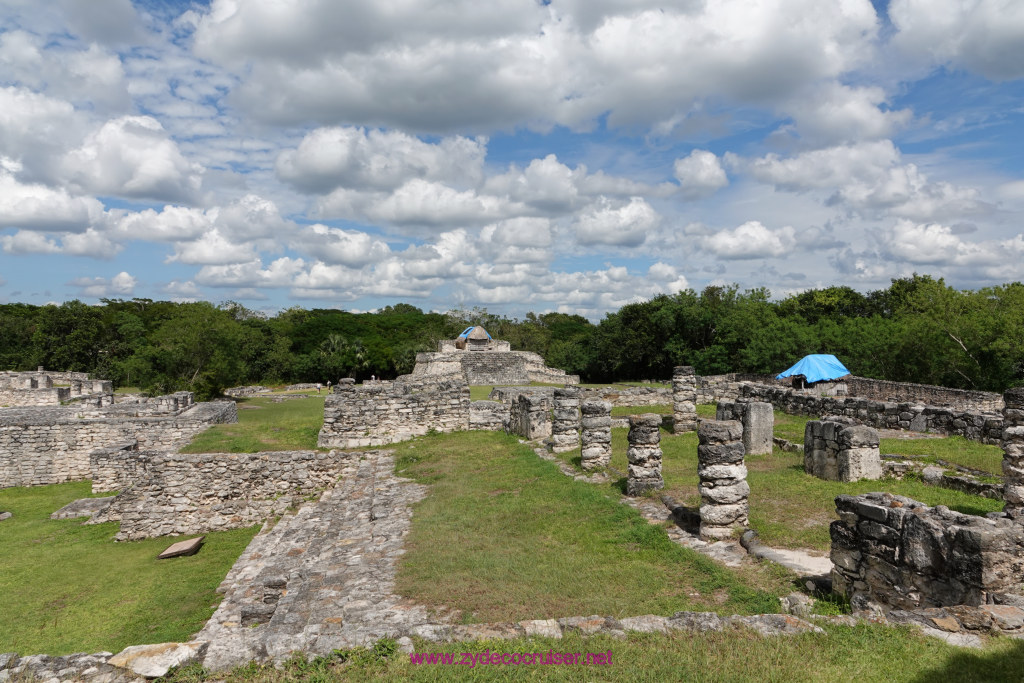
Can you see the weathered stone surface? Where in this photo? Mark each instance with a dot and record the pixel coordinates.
(182, 548)
(84, 507)
(1012, 442)
(153, 661)
(836, 451)
(565, 428)
(596, 434)
(723, 487)
(5, 515)
(529, 417)
(644, 454)
(684, 399)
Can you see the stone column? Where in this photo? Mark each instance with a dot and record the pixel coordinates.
(684, 399)
(565, 429)
(644, 454)
(1013, 452)
(597, 434)
(723, 478)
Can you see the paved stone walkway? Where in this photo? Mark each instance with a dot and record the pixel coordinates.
(322, 578)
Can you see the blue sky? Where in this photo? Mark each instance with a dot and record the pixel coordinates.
(517, 155)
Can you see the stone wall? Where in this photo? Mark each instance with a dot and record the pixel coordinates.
(983, 427)
(647, 395)
(488, 415)
(177, 493)
(34, 397)
(837, 450)
(116, 468)
(727, 387)
(894, 552)
(380, 413)
(896, 392)
(1013, 452)
(41, 446)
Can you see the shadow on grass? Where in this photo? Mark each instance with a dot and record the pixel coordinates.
(1005, 665)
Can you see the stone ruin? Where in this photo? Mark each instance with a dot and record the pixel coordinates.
(758, 420)
(596, 434)
(482, 361)
(529, 417)
(684, 399)
(52, 444)
(565, 427)
(723, 489)
(644, 454)
(837, 449)
(894, 553)
(40, 388)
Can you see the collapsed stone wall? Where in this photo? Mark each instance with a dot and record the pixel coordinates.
(837, 450)
(40, 446)
(176, 493)
(489, 415)
(983, 427)
(379, 413)
(892, 552)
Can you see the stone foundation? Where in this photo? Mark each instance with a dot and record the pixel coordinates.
(644, 454)
(837, 450)
(723, 479)
(489, 367)
(488, 415)
(565, 428)
(357, 415)
(891, 552)
(684, 399)
(596, 434)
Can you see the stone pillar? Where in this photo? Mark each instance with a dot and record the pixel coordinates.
(684, 399)
(565, 429)
(597, 434)
(644, 454)
(758, 428)
(1013, 452)
(529, 417)
(859, 457)
(723, 478)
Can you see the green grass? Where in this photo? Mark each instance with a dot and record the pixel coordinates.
(788, 508)
(68, 588)
(660, 409)
(957, 449)
(264, 425)
(862, 653)
(504, 536)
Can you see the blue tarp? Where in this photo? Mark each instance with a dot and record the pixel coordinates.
(817, 367)
(465, 332)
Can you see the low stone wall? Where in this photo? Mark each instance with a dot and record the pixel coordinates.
(894, 552)
(116, 468)
(728, 387)
(379, 413)
(983, 427)
(841, 451)
(631, 396)
(508, 394)
(896, 392)
(179, 493)
(488, 415)
(41, 446)
(251, 390)
(34, 397)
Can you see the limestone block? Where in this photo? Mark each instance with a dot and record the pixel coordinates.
(758, 426)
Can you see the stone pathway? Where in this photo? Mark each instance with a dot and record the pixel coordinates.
(322, 578)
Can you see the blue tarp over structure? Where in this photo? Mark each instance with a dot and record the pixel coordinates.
(817, 367)
(465, 332)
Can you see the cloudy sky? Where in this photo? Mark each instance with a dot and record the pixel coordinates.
(569, 155)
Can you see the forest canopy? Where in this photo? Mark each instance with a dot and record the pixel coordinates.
(917, 330)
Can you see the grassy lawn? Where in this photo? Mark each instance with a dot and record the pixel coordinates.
(504, 536)
(861, 653)
(69, 588)
(263, 425)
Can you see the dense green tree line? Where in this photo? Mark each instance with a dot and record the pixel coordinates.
(917, 330)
